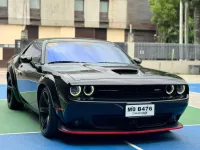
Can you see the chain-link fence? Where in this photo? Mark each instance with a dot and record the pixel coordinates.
(167, 51)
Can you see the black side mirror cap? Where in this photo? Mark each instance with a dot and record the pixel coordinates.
(25, 59)
(137, 61)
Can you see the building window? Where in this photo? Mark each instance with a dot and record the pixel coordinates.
(79, 5)
(95, 33)
(79, 13)
(3, 3)
(104, 8)
(35, 4)
(33, 32)
(3, 11)
(35, 17)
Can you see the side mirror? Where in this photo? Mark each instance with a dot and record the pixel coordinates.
(25, 59)
(137, 61)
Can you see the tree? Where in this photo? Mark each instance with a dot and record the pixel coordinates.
(195, 11)
(165, 16)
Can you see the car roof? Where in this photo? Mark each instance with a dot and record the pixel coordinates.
(71, 40)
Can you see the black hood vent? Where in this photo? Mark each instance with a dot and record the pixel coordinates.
(125, 71)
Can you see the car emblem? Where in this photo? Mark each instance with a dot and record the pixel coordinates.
(157, 90)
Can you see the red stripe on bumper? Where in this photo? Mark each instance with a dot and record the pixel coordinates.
(59, 109)
(118, 132)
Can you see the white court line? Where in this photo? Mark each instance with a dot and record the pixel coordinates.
(194, 106)
(132, 145)
(194, 93)
(3, 99)
(20, 133)
(191, 125)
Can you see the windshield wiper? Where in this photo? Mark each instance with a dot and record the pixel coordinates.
(54, 62)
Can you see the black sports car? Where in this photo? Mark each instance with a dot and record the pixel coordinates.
(85, 86)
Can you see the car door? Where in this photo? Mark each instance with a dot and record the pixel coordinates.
(28, 75)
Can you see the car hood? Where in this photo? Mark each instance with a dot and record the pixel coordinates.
(114, 73)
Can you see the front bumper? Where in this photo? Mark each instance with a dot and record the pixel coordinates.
(109, 118)
(174, 126)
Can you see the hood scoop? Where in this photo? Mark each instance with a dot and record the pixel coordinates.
(125, 71)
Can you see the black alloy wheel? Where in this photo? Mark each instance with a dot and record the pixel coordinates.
(47, 116)
(11, 99)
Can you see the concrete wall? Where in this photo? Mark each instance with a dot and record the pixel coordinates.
(180, 67)
(68, 32)
(115, 35)
(18, 12)
(9, 33)
(117, 13)
(57, 12)
(50, 32)
(91, 13)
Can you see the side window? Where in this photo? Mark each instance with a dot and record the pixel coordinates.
(35, 52)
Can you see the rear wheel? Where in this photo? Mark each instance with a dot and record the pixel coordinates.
(47, 116)
(11, 100)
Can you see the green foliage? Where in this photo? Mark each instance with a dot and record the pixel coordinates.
(165, 16)
(193, 3)
(191, 30)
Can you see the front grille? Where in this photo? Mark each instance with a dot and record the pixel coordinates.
(131, 93)
(136, 93)
(119, 122)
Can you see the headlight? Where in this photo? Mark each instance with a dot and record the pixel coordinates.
(88, 90)
(169, 89)
(180, 89)
(75, 91)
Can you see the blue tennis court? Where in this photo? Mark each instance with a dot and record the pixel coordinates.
(195, 87)
(184, 139)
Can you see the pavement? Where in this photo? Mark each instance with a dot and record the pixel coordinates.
(20, 130)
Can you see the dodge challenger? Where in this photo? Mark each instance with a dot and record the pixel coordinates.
(87, 86)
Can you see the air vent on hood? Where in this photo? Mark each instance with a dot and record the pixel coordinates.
(125, 71)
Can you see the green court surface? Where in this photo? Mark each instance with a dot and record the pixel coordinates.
(27, 121)
(17, 121)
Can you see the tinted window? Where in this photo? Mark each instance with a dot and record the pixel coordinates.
(35, 4)
(79, 5)
(3, 3)
(35, 52)
(85, 52)
(104, 6)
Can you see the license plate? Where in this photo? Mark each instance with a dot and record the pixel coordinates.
(140, 110)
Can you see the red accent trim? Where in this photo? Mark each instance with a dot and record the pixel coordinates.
(118, 132)
(59, 109)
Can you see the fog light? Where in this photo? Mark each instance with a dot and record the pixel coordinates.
(180, 89)
(88, 90)
(169, 89)
(75, 91)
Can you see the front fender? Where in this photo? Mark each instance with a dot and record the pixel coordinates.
(58, 89)
(49, 82)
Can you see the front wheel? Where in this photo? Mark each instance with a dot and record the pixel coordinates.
(47, 116)
(11, 100)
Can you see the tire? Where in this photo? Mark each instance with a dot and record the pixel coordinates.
(47, 116)
(11, 99)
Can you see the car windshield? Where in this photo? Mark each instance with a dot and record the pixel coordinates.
(85, 52)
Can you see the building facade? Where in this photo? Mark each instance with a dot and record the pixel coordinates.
(102, 19)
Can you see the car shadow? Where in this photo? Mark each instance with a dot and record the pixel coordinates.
(33, 115)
